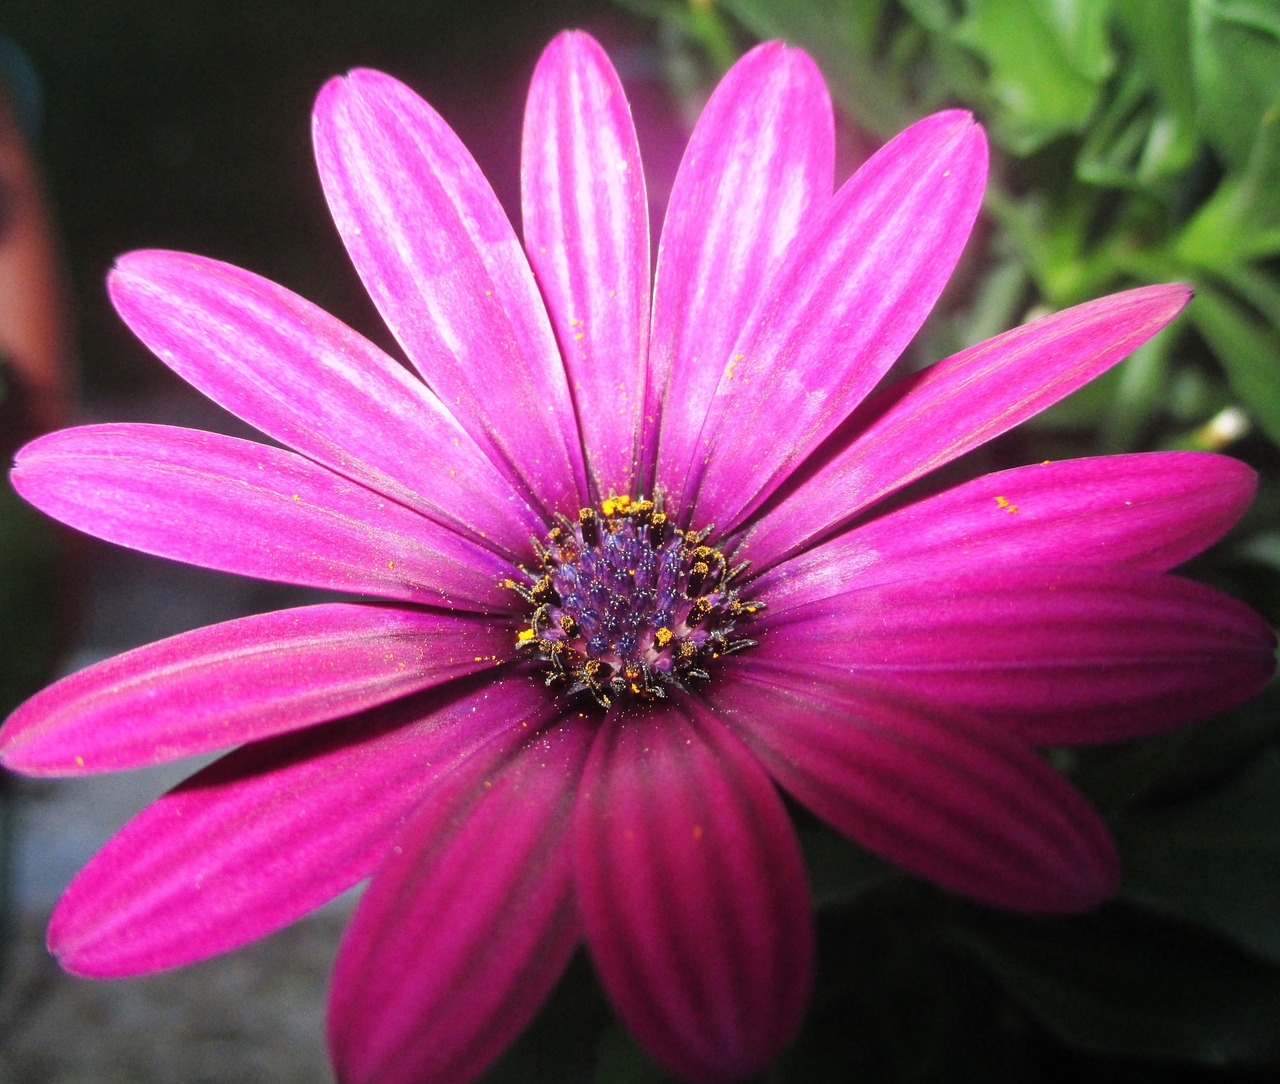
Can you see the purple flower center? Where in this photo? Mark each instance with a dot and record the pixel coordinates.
(628, 604)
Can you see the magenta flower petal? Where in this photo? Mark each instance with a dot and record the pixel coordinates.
(854, 288)
(271, 831)
(759, 164)
(564, 722)
(693, 893)
(309, 381)
(959, 403)
(241, 681)
(586, 228)
(943, 794)
(467, 925)
(237, 506)
(444, 267)
(1053, 654)
(1149, 510)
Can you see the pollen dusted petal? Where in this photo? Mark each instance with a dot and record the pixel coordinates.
(275, 829)
(307, 380)
(586, 228)
(947, 796)
(693, 893)
(1055, 654)
(468, 924)
(758, 165)
(242, 681)
(443, 265)
(855, 286)
(233, 505)
(1148, 510)
(954, 406)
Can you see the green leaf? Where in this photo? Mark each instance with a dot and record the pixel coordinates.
(840, 872)
(1214, 861)
(1047, 63)
(1240, 221)
(1249, 351)
(1235, 47)
(1125, 984)
(560, 1044)
(1179, 765)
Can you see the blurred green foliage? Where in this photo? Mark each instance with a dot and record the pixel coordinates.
(1135, 141)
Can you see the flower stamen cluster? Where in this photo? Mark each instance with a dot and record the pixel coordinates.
(628, 604)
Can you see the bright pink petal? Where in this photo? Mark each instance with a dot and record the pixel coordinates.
(237, 506)
(956, 405)
(242, 681)
(758, 166)
(309, 381)
(955, 800)
(273, 830)
(444, 267)
(855, 286)
(1054, 654)
(468, 924)
(586, 228)
(1150, 510)
(693, 893)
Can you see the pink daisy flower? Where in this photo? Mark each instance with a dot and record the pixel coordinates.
(632, 575)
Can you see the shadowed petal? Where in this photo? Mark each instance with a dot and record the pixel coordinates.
(273, 830)
(237, 506)
(309, 381)
(444, 267)
(693, 893)
(467, 925)
(957, 404)
(1148, 510)
(855, 286)
(242, 681)
(947, 796)
(1054, 654)
(757, 166)
(586, 228)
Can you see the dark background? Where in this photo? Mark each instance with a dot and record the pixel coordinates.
(186, 125)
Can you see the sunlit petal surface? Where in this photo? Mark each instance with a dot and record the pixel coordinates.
(586, 229)
(242, 681)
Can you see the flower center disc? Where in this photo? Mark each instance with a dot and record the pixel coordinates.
(629, 605)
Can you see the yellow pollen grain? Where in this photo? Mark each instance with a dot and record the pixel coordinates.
(525, 635)
(79, 762)
(1003, 502)
(663, 636)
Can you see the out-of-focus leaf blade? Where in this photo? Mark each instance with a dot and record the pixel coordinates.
(1235, 47)
(1214, 861)
(1249, 351)
(1047, 64)
(1125, 984)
